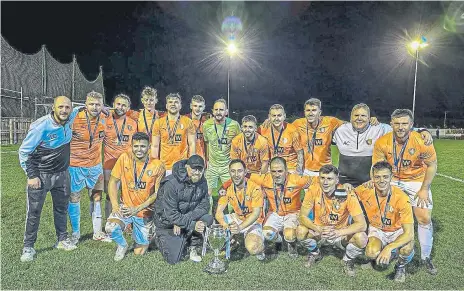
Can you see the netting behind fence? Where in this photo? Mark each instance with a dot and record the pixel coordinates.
(29, 82)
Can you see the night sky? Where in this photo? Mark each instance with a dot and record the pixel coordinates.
(341, 52)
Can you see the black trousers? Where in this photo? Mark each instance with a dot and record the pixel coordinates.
(59, 186)
(174, 247)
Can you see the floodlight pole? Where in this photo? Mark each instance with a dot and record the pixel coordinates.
(228, 85)
(415, 84)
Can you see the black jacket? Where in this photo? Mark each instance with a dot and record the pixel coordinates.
(180, 202)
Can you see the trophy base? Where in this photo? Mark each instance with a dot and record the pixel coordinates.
(215, 267)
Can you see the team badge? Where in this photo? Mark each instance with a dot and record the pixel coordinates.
(285, 140)
(181, 126)
(247, 198)
(149, 173)
(412, 151)
(322, 129)
(290, 189)
(369, 141)
(129, 127)
(336, 205)
(390, 208)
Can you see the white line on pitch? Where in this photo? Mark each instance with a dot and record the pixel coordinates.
(449, 177)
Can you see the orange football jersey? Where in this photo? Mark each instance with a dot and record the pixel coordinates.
(253, 154)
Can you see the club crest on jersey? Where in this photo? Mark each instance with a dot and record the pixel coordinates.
(178, 137)
(369, 141)
(333, 216)
(287, 200)
(390, 208)
(181, 126)
(336, 205)
(318, 141)
(129, 127)
(149, 173)
(322, 129)
(290, 189)
(199, 135)
(247, 198)
(284, 140)
(101, 134)
(411, 151)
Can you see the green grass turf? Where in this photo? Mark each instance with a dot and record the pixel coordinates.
(91, 266)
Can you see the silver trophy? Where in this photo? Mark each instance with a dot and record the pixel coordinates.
(216, 239)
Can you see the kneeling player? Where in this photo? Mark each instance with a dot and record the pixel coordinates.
(246, 198)
(391, 223)
(332, 210)
(139, 177)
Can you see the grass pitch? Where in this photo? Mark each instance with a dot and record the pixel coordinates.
(91, 266)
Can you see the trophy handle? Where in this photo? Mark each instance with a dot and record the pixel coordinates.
(205, 240)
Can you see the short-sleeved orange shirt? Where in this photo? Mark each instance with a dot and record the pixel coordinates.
(146, 122)
(253, 154)
(316, 142)
(113, 146)
(123, 170)
(331, 212)
(83, 152)
(399, 209)
(411, 166)
(173, 140)
(283, 199)
(252, 199)
(288, 145)
(200, 141)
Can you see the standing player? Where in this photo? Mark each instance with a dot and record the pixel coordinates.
(173, 135)
(118, 134)
(198, 117)
(148, 115)
(86, 165)
(282, 190)
(391, 223)
(44, 157)
(246, 198)
(283, 139)
(251, 147)
(139, 177)
(218, 134)
(355, 142)
(414, 167)
(316, 133)
(331, 220)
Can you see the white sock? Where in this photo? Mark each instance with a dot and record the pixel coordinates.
(425, 234)
(352, 252)
(97, 217)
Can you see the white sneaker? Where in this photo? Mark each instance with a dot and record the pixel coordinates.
(120, 252)
(28, 254)
(75, 236)
(101, 236)
(66, 245)
(194, 256)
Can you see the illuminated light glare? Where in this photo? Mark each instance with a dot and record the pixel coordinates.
(232, 49)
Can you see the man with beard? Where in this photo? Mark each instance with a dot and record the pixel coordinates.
(118, 134)
(139, 177)
(391, 222)
(246, 198)
(173, 135)
(198, 117)
(86, 169)
(181, 210)
(355, 142)
(414, 167)
(283, 139)
(44, 157)
(218, 134)
(282, 191)
(331, 224)
(251, 147)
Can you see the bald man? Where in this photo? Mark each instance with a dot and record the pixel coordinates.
(44, 156)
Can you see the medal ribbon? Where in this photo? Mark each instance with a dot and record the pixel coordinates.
(139, 179)
(89, 127)
(119, 135)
